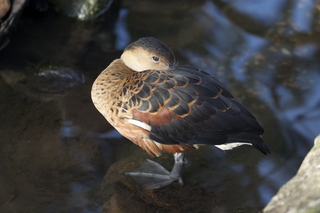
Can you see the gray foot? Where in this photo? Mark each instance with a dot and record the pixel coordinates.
(152, 175)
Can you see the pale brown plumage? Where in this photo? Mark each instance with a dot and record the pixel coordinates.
(113, 103)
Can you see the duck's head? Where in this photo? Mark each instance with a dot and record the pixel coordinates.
(148, 53)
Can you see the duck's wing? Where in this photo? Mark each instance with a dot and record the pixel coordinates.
(187, 106)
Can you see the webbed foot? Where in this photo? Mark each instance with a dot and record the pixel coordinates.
(152, 175)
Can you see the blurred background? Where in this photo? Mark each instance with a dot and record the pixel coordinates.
(58, 154)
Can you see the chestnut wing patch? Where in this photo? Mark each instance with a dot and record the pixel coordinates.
(187, 106)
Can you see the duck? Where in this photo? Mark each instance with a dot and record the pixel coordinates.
(163, 106)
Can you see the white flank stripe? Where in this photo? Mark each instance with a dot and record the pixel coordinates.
(229, 146)
(159, 145)
(141, 124)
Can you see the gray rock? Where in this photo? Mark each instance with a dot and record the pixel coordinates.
(302, 192)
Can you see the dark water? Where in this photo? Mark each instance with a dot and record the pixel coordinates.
(54, 155)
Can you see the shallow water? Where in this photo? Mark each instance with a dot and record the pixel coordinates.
(55, 155)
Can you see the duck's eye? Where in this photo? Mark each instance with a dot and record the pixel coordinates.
(155, 59)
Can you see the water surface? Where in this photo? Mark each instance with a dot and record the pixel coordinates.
(55, 156)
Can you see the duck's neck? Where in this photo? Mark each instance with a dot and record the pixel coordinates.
(108, 87)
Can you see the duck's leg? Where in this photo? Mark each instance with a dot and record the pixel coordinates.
(153, 176)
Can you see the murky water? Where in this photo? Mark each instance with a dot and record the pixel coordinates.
(58, 154)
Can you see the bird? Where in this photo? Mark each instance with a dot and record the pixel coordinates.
(163, 106)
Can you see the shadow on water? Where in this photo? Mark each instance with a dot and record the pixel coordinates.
(56, 155)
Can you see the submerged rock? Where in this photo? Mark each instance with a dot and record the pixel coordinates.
(209, 186)
(83, 9)
(58, 79)
(302, 192)
(51, 80)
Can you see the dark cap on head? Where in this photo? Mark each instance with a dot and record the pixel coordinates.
(154, 45)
